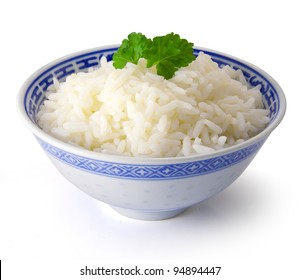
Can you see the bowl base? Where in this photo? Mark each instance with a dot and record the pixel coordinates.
(148, 215)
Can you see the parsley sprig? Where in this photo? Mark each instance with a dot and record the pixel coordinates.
(168, 53)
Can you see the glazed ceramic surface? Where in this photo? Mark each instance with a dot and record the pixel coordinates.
(146, 188)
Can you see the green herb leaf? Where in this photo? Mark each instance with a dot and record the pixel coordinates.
(131, 50)
(169, 53)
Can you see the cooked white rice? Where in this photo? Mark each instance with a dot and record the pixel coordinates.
(134, 112)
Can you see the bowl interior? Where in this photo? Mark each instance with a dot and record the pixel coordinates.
(35, 88)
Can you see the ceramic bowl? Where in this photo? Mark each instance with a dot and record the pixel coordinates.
(146, 188)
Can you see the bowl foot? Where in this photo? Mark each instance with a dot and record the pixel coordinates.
(148, 215)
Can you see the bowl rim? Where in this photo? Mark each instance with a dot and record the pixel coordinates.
(80, 151)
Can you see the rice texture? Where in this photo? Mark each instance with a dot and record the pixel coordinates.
(134, 112)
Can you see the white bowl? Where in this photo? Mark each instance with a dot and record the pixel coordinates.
(146, 188)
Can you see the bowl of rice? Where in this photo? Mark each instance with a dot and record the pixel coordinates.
(147, 146)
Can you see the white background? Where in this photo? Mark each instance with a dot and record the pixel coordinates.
(47, 225)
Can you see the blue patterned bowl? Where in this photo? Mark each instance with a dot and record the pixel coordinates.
(146, 188)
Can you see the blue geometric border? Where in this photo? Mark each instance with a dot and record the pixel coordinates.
(151, 172)
(35, 92)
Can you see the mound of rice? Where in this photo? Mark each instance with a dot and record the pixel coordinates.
(134, 112)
